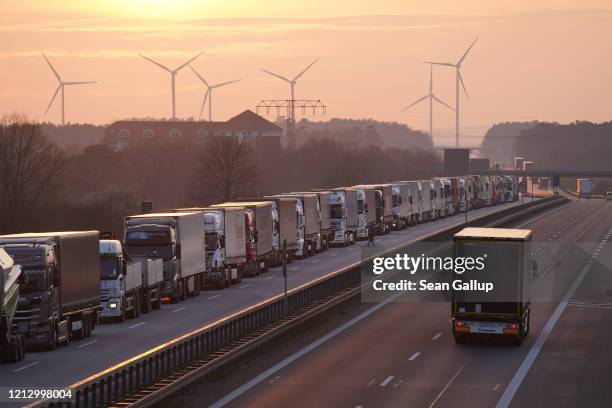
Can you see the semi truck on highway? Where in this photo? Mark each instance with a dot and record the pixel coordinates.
(12, 347)
(383, 206)
(176, 238)
(59, 299)
(127, 287)
(285, 226)
(261, 232)
(311, 222)
(343, 205)
(366, 213)
(583, 188)
(505, 311)
(401, 205)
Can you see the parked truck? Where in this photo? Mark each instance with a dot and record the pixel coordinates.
(325, 216)
(59, 299)
(285, 226)
(427, 204)
(384, 206)
(401, 205)
(12, 347)
(176, 238)
(505, 310)
(311, 221)
(583, 188)
(127, 287)
(518, 163)
(343, 203)
(439, 202)
(262, 233)
(366, 218)
(225, 236)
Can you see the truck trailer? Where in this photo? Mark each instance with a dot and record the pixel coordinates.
(311, 222)
(262, 233)
(12, 347)
(583, 188)
(176, 238)
(504, 311)
(60, 296)
(285, 226)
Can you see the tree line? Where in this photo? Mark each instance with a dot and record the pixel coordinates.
(45, 188)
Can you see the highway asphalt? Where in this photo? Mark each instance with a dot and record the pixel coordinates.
(111, 344)
(402, 354)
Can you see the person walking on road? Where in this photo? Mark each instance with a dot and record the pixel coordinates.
(371, 237)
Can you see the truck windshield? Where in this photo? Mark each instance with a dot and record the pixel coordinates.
(360, 206)
(150, 251)
(335, 211)
(109, 267)
(34, 279)
(395, 200)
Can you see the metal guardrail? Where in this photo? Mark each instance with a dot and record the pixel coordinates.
(148, 376)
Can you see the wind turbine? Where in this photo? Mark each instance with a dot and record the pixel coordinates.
(208, 94)
(458, 80)
(173, 73)
(61, 86)
(292, 82)
(432, 98)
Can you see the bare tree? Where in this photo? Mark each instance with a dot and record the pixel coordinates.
(226, 170)
(29, 165)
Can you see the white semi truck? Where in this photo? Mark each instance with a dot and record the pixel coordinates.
(176, 238)
(383, 206)
(401, 205)
(427, 198)
(344, 215)
(366, 218)
(127, 287)
(285, 226)
(311, 222)
(261, 233)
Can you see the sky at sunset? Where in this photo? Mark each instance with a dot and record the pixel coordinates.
(539, 59)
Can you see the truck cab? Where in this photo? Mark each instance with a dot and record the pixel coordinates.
(362, 214)
(112, 280)
(396, 200)
(342, 234)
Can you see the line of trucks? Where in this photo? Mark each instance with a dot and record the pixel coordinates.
(71, 281)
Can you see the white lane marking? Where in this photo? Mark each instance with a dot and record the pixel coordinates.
(350, 249)
(137, 325)
(244, 286)
(293, 268)
(180, 309)
(386, 381)
(522, 371)
(213, 297)
(314, 261)
(446, 386)
(333, 254)
(87, 344)
(26, 366)
(437, 336)
(278, 366)
(371, 382)
(496, 387)
(269, 277)
(414, 356)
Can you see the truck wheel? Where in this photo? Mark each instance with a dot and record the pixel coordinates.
(122, 316)
(146, 302)
(156, 304)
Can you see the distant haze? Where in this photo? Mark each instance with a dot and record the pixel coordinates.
(546, 60)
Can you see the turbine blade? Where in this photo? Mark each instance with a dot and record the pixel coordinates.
(466, 52)
(199, 76)
(415, 102)
(304, 70)
(80, 82)
(51, 66)
(204, 102)
(53, 98)
(276, 75)
(188, 62)
(442, 102)
(462, 84)
(156, 63)
(446, 64)
(225, 83)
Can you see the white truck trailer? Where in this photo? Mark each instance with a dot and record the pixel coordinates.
(583, 188)
(176, 238)
(311, 221)
(12, 347)
(285, 226)
(401, 205)
(427, 200)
